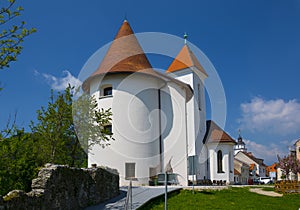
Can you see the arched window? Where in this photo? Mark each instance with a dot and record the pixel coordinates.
(220, 157)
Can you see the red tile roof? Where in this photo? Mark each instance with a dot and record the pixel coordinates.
(251, 166)
(255, 159)
(272, 168)
(216, 134)
(185, 59)
(236, 172)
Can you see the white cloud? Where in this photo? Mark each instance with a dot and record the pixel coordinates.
(60, 83)
(267, 152)
(272, 116)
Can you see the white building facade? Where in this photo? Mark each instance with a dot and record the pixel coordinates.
(159, 119)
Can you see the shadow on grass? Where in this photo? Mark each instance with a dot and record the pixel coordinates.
(158, 200)
(206, 192)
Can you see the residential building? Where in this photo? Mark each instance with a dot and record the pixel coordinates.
(249, 158)
(241, 172)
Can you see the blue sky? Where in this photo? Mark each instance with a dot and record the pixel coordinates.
(254, 46)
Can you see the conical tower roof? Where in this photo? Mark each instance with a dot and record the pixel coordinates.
(185, 59)
(124, 55)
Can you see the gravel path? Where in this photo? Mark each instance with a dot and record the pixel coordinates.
(263, 192)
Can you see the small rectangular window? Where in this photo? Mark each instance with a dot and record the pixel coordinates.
(192, 165)
(107, 91)
(152, 171)
(129, 170)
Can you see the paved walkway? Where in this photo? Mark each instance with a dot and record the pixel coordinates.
(140, 195)
(263, 192)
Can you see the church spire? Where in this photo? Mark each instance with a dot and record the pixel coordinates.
(240, 146)
(185, 36)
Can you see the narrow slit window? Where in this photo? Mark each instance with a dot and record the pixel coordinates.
(199, 97)
(219, 163)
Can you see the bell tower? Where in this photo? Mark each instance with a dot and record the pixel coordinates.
(186, 68)
(240, 146)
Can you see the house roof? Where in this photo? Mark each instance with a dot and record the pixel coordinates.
(125, 55)
(243, 163)
(252, 165)
(236, 172)
(255, 159)
(215, 134)
(185, 59)
(272, 168)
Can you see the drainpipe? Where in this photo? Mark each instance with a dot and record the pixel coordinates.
(187, 143)
(161, 143)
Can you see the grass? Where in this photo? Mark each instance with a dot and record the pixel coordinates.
(234, 198)
(268, 189)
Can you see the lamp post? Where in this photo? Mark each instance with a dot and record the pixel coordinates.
(166, 190)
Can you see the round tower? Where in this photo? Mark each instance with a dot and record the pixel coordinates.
(126, 83)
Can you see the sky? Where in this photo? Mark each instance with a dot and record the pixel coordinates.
(253, 45)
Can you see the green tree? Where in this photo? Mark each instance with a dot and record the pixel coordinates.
(12, 32)
(53, 139)
(69, 128)
(55, 130)
(19, 161)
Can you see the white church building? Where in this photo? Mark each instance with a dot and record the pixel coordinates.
(158, 118)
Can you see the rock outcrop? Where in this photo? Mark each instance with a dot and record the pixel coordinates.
(63, 187)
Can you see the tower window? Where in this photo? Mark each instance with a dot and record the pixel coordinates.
(129, 170)
(199, 97)
(219, 162)
(107, 91)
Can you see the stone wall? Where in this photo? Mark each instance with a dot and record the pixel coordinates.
(63, 187)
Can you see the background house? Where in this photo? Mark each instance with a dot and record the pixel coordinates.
(271, 171)
(249, 158)
(241, 172)
(297, 147)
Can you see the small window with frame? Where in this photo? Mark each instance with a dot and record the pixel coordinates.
(129, 171)
(106, 91)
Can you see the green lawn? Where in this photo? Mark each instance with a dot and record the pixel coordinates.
(234, 198)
